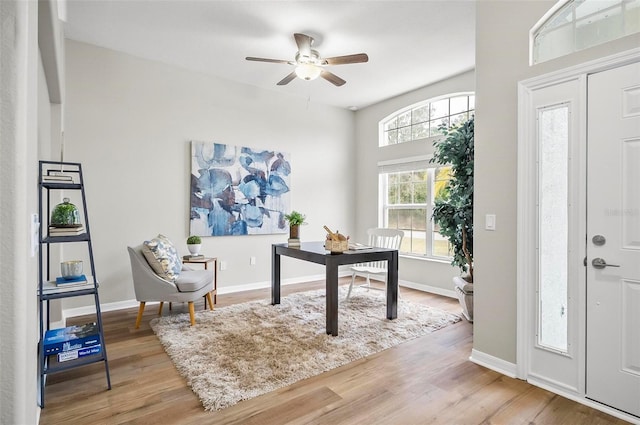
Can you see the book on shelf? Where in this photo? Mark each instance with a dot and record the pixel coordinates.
(66, 227)
(66, 231)
(77, 285)
(80, 352)
(70, 338)
(62, 178)
(62, 281)
(193, 257)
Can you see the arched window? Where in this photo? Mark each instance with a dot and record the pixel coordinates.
(422, 120)
(409, 187)
(573, 25)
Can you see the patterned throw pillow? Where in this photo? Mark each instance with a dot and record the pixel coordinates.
(162, 257)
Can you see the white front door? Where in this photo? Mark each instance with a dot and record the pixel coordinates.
(613, 238)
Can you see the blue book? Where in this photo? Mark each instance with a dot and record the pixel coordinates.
(82, 352)
(70, 338)
(61, 280)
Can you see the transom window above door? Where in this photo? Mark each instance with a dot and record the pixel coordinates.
(573, 25)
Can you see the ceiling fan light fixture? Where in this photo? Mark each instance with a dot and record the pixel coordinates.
(308, 71)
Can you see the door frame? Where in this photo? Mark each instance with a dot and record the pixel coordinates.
(527, 227)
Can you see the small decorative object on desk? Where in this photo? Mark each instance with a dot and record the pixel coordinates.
(295, 220)
(194, 243)
(336, 242)
(355, 246)
(293, 242)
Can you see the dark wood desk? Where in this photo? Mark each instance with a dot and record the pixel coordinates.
(315, 253)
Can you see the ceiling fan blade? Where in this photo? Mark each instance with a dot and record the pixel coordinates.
(287, 79)
(249, 58)
(304, 44)
(332, 78)
(342, 60)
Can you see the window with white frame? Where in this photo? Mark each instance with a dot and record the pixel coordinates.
(408, 191)
(573, 25)
(410, 187)
(424, 119)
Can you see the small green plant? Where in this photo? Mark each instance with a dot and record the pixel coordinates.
(194, 240)
(65, 213)
(294, 218)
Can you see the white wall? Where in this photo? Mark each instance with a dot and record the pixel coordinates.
(129, 122)
(435, 274)
(18, 165)
(501, 61)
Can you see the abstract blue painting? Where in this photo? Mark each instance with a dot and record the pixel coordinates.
(237, 190)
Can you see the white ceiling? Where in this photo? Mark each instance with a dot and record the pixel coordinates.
(410, 43)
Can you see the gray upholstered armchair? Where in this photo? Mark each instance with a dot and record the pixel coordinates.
(189, 286)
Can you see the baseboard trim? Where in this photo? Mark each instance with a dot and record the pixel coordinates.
(552, 385)
(583, 400)
(450, 293)
(494, 363)
(121, 305)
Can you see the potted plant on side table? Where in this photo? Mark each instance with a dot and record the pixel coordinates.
(454, 215)
(295, 220)
(194, 243)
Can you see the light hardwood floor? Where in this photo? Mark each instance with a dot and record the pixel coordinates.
(428, 380)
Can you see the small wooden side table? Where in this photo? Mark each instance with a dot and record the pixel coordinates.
(206, 261)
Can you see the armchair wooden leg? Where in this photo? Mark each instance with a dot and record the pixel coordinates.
(192, 313)
(160, 309)
(208, 298)
(140, 311)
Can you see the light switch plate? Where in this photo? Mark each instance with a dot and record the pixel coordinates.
(490, 222)
(35, 234)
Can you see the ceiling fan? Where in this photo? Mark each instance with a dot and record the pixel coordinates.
(310, 65)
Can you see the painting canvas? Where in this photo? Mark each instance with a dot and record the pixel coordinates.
(237, 190)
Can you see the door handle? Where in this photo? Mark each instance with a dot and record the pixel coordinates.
(600, 263)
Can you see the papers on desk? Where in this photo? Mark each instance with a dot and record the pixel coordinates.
(354, 246)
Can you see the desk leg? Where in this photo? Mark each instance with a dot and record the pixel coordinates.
(275, 276)
(332, 296)
(392, 286)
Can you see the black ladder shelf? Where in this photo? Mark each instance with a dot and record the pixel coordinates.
(51, 179)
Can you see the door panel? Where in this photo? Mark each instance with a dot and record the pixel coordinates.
(631, 194)
(630, 331)
(613, 259)
(554, 358)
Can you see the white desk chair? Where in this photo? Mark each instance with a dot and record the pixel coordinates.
(380, 238)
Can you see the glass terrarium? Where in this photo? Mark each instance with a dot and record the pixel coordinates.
(65, 215)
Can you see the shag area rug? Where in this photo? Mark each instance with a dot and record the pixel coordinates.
(241, 351)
